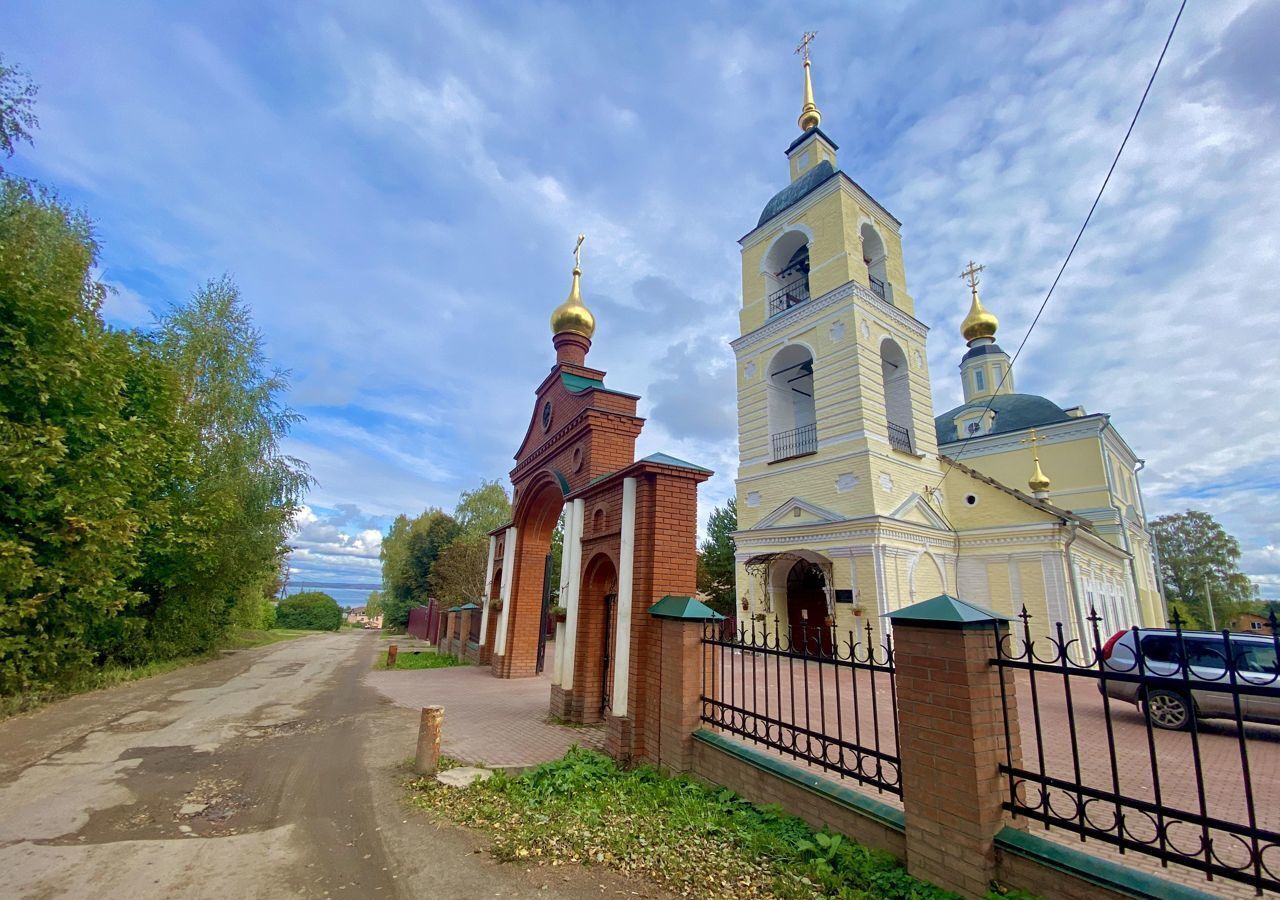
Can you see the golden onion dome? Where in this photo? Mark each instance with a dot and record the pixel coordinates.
(571, 315)
(980, 323)
(1038, 481)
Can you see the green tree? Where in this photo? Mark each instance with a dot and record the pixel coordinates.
(17, 102)
(312, 610)
(716, 559)
(458, 573)
(373, 605)
(1197, 554)
(228, 492)
(409, 550)
(76, 448)
(482, 510)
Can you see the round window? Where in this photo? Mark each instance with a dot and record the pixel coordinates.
(971, 499)
(546, 415)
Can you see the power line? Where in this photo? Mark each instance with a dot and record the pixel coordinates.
(1114, 162)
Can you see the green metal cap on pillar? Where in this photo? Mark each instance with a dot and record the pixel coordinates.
(686, 608)
(945, 610)
(467, 606)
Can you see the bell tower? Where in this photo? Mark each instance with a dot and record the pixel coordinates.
(834, 403)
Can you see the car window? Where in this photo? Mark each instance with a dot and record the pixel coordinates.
(1255, 658)
(1206, 653)
(1161, 648)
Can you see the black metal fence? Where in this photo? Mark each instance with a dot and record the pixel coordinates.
(900, 438)
(823, 698)
(792, 295)
(1146, 742)
(796, 442)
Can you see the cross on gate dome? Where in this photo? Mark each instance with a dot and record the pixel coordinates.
(572, 316)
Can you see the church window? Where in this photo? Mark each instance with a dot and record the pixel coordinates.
(995, 375)
(873, 254)
(971, 499)
(787, 272)
(792, 416)
(897, 396)
(978, 383)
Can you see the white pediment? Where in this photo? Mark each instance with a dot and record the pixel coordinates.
(916, 509)
(798, 512)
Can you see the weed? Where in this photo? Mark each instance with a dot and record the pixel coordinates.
(692, 839)
(419, 659)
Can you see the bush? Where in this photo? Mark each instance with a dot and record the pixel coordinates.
(311, 610)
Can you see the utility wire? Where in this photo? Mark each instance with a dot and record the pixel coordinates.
(1134, 121)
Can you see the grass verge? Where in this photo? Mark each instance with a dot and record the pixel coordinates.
(419, 659)
(694, 840)
(110, 675)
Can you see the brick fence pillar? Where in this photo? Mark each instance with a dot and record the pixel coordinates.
(445, 645)
(682, 621)
(464, 632)
(952, 740)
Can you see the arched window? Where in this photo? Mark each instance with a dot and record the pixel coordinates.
(792, 420)
(897, 396)
(786, 268)
(873, 254)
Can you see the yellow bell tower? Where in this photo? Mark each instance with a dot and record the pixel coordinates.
(833, 390)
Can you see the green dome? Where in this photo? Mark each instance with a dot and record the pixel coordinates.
(796, 190)
(1014, 412)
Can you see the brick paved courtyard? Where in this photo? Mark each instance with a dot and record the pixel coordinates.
(487, 720)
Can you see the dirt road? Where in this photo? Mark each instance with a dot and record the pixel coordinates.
(267, 773)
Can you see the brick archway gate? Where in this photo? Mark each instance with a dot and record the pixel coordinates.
(630, 540)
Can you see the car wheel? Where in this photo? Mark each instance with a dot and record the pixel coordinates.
(1168, 709)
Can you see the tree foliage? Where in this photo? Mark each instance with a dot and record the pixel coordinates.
(409, 550)
(716, 559)
(146, 501)
(458, 574)
(1196, 553)
(312, 610)
(482, 510)
(17, 102)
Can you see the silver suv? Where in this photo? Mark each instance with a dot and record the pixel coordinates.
(1176, 669)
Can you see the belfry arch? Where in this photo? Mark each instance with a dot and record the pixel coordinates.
(630, 533)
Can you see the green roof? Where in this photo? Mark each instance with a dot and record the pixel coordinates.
(1014, 412)
(576, 384)
(945, 609)
(663, 459)
(467, 606)
(687, 608)
(797, 190)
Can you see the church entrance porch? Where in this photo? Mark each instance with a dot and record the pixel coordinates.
(808, 615)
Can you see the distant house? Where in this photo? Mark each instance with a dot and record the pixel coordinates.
(1251, 623)
(359, 616)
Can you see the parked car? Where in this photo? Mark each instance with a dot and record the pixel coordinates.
(1176, 672)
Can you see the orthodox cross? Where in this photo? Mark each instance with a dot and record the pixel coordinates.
(971, 274)
(803, 49)
(1033, 440)
(577, 252)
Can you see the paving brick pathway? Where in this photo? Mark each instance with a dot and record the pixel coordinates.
(487, 720)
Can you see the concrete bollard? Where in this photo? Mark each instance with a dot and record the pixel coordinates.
(391, 656)
(428, 758)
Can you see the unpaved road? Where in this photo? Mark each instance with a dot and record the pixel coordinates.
(270, 772)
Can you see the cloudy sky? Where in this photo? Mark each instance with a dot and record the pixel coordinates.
(396, 188)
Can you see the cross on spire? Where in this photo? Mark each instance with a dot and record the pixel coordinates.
(1033, 440)
(803, 49)
(577, 252)
(971, 274)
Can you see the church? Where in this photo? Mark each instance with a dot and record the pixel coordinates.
(853, 498)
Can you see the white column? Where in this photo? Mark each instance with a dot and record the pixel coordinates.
(571, 597)
(485, 598)
(509, 554)
(566, 566)
(626, 563)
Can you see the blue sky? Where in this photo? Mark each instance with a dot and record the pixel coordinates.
(396, 188)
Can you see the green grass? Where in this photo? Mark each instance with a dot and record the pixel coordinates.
(694, 840)
(423, 659)
(113, 674)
